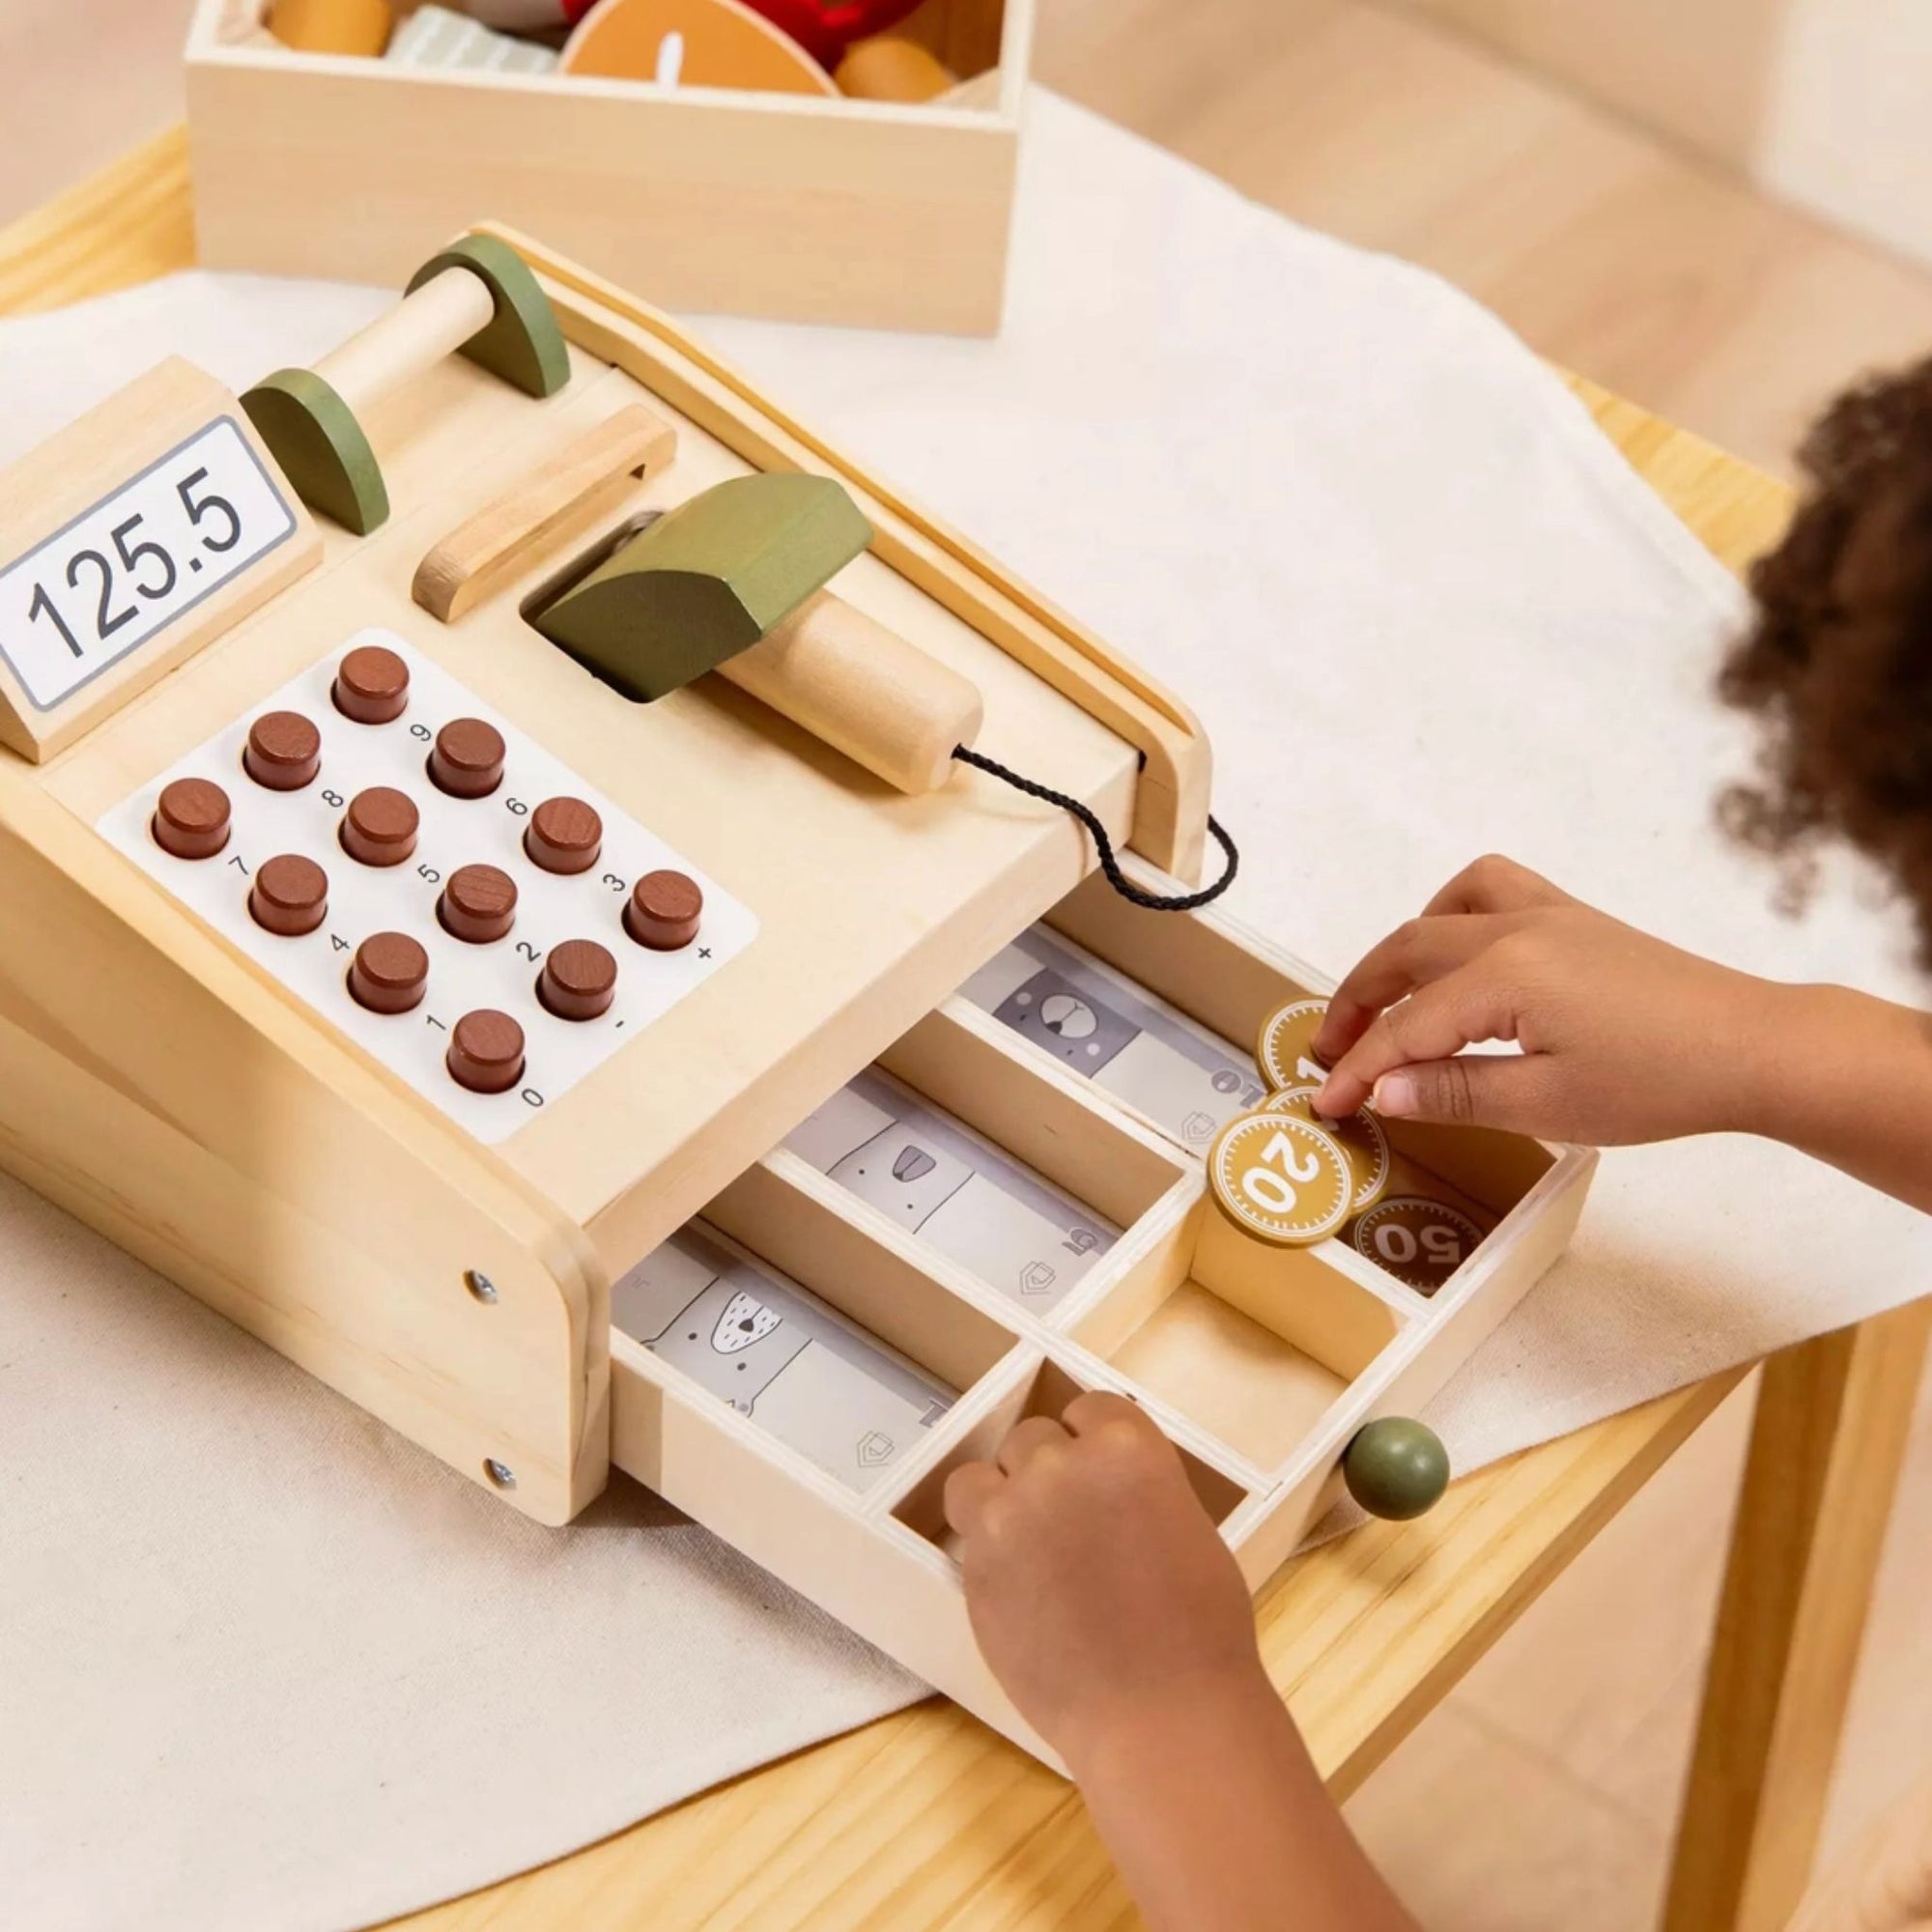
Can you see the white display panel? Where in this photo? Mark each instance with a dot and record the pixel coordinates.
(123, 571)
(454, 832)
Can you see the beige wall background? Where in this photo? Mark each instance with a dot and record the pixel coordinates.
(1826, 103)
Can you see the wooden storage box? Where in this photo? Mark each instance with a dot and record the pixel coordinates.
(804, 208)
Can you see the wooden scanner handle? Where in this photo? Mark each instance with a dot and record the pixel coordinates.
(864, 690)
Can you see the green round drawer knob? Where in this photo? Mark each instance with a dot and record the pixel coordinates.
(1396, 1468)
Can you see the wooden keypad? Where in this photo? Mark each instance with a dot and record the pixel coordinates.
(490, 941)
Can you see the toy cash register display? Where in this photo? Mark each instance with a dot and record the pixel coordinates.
(577, 914)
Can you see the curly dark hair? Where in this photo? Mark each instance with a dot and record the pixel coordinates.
(1838, 660)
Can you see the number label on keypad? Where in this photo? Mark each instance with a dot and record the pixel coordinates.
(462, 859)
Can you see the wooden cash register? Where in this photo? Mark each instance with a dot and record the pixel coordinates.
(514, 896)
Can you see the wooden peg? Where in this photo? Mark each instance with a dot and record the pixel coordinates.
(556, 502)
(862, 690)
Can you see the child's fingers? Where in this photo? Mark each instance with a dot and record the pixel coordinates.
(1435, 1022)
(1414, 953)
(968, 1491)
(1507, 1091)
(1495, 884)
(1094, 1409)
(1026, 1439)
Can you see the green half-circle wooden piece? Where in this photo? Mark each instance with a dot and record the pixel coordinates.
(320, 447)
(522, 342)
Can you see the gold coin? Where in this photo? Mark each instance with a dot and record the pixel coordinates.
(1420, 1242)
(1285, 1049)
(1280, 1178)
(1360, 1137)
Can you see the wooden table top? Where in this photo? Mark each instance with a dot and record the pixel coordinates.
(926, 1819)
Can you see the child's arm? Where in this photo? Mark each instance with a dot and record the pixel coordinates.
(1624, 1038)
(1115, 1617)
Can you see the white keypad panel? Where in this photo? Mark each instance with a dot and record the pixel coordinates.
(455, 832)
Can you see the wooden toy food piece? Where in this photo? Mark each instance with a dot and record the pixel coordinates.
(564, 836)
(664, 911)
(1396, 1468)
(1284, 1051)
(720, 43)
(389, 973)
(1420, 1242)
(891, 67)
(579, 980)
(191, 818)
(290, 895)
(555, 500)
(435, 36)
(478, 904)
(825, 28)
(380, 826)
(284, 751)
(332, 26)
(1280, 1179)
(478, 298)
(486, 1052)
(1360, 1137)
(467, 759)
(372, 686)
(526, 16)
(730, 580)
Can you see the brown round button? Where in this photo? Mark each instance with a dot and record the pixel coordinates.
(389, 973)
(191, 818)
(479, 904)
(664, 911)
(486, 1052)
(372, 685)
(290, 895)
(380, 826)
(564, 834)
(466, 761)
(579, 980)
(284, 751)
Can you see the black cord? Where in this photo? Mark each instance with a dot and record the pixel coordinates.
(1109, 863)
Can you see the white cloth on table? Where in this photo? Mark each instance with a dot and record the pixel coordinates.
(265, 1665)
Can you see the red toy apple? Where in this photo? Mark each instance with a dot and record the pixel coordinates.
(825, 28)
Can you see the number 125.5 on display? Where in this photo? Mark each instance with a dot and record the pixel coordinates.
(126, 569)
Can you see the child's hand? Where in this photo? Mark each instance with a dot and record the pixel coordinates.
(1624, 1038)
(1116, 1618)
(1100, 1592)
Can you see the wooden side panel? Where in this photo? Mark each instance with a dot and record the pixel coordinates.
(749, 204)
(151, 1084)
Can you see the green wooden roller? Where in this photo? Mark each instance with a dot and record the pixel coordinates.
(478, 298)
(1396, 1468)
(707, 581)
